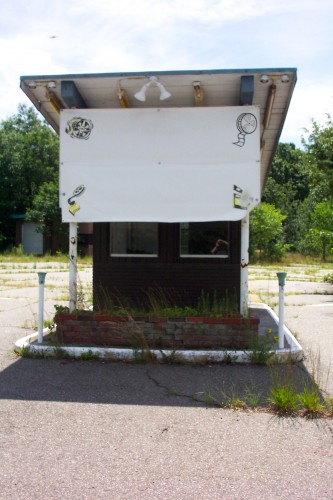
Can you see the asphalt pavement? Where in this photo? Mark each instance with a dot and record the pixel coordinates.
(101, 430)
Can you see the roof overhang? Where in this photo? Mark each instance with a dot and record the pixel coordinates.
(269, 89)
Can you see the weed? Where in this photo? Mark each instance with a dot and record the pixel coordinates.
(252, 396)
(60, 353)
(61, 309)
(224, 398)
(169, 357)
(31, 324)
(328, 406)
(311, 401)
(284, 399)
(260, 351)
(90, 355)
(172, 392)
(229, 357)
(49, 324)
(213, 306)
(160, 302)
(141, 351)
(328, 278)
(30, 352)
(23, 352)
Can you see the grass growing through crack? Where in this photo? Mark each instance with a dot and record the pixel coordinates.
(231, 398)
(284, 399)
(310, 399)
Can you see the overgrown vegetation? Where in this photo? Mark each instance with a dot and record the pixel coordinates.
(299, 191)
(161, 302)
(29, 160)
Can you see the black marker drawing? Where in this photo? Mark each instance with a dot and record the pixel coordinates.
(79, 128)
(246, 124)
(73, 206)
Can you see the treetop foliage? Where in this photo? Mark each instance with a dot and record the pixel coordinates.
(29, 157)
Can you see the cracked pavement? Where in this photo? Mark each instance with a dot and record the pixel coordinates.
(100, 430)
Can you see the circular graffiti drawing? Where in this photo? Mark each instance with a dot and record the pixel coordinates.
(246, 124)
(79, 128)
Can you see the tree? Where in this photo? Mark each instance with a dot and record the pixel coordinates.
(320, 235)
(319, 148)
(29, 157)
(266, 231)
(288, 185)
(46, 213)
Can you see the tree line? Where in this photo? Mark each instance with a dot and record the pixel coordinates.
(29, 170)
(296, 213)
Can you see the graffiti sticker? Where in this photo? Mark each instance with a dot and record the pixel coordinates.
(79, 128)
(73, 205)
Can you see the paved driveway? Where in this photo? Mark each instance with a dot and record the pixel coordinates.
(94, 430)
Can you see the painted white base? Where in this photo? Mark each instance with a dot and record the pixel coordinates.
(293, 353)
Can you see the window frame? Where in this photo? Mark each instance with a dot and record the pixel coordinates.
(206, 256)
(133, 255)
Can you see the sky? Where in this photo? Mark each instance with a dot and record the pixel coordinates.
(106, 36)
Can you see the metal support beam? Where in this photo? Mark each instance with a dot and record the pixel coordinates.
(246, 90)
(72, 266)
(245, 239)
(71, 96)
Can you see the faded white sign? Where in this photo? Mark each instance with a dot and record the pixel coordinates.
(162, 165)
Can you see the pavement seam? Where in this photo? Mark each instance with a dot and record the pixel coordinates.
(171, 392)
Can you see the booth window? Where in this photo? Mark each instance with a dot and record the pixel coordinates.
(204, 239)
(135, 239)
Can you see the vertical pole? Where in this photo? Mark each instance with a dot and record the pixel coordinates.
(41, 282)
(72, 266)
(282, 278)
(245, 238)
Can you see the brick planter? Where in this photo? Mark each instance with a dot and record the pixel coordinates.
(167, 332)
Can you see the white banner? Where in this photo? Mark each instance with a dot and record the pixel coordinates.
(159, 165)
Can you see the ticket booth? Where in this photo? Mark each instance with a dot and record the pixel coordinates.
(167, 167)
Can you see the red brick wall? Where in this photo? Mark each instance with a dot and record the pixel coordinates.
(174, 333)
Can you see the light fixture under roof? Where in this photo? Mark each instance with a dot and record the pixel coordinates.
(141, 95)
(274, 78)
(32, 85)
(285, 79)
(264, 79)
(51, 85)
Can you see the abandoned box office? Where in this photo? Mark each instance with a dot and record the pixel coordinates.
(167, 166)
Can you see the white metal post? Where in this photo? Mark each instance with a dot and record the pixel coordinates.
(72, 266)
(282, 278)
(245, 239)
(41, 282)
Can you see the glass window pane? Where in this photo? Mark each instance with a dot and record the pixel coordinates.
(134, 238)
(204, 239)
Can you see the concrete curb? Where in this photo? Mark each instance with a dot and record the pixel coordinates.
(293, 353)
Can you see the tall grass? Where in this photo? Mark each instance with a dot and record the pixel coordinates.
(16, 255)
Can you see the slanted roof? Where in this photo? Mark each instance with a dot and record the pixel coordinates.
(269, 89)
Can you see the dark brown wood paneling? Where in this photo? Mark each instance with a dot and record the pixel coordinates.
(183, 277)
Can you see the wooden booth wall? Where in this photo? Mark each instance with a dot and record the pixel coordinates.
(186, 277)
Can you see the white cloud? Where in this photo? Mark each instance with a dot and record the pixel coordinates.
(310, 102)
(127, 35)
